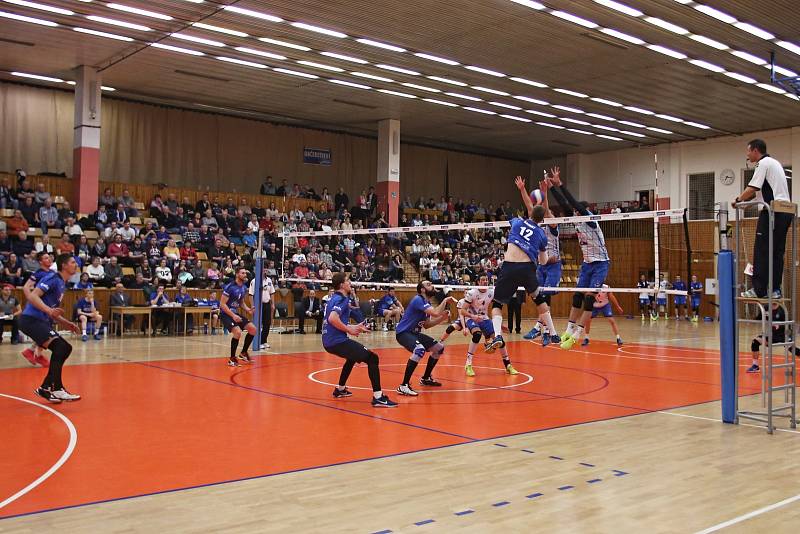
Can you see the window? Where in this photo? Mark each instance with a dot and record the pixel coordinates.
(747, 175)
(701, 196)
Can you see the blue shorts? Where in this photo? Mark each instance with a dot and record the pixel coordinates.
(410, 339)
(39, 330)
(661, 302)
(549, 276)
(605, 311)
(644, 301)
(485, 326)
(695, 303)
(593, 274)
(680, 301)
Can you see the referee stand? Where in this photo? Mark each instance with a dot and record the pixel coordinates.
(785, 363)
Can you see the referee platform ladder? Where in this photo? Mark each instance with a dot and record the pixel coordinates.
(778, 360)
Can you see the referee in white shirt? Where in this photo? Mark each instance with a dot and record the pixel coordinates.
(768, 182)
(267, 306)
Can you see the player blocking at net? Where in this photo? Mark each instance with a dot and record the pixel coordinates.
(473, 319)
(335, 330)
(594, 268)
(526, 250)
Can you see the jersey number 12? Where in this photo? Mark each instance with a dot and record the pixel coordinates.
(526, 233)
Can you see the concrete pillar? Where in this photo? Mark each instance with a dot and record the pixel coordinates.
(388, 186)
(86, 144)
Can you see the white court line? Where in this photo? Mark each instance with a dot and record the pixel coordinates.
(718, 421)
(749, 515)
(73, 440)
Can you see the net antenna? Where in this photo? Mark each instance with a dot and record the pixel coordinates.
(790, 84)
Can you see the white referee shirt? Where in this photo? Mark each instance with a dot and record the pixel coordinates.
(770, 179)
(267, 289)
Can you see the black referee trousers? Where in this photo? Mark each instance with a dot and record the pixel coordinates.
(761, 251)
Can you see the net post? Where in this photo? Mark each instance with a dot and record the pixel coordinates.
(657, 277)
(728, 340)
(258, 286)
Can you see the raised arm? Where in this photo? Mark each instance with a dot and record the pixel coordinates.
(526, 198)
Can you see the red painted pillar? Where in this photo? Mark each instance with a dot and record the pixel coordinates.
(388, 185)
(86, 145)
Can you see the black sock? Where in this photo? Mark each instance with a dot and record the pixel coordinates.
(410, 366)
(247, 340)
(429, 366)
(374, 373)
(60, 352)
(346, 369)
(234, 346)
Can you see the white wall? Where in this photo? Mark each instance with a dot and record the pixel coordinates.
(616, 175)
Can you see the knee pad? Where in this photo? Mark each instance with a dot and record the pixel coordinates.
(60, 348)
(588, 302)
(476, 337)
(755, 346)
(577, 300)
(496, 305)
(540, 299)
(419, 352)
(450, 329)
(436, 351)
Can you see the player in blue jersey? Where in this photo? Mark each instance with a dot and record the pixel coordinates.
(696, 292)
(549, 274)
(36, 321)
(389, 307)
(420, 314)
(594, 268)
(526, 250)
(35, 354)
(335, 329)
(680, 300)
(232, 302)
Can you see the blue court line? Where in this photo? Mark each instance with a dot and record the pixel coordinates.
(556, 458)
(501, 503)
(584, 464)
(528, 451)
(464, 512)
(594, 480)
(500, 445)
(383, 532)
(533, 495)
(564, 488)
(424, 522)
(618, 473)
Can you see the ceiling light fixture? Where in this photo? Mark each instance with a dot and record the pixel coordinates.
(379, 44)
(540, 113)
(254, 14)
(570, 109)
(285, 44)
(465, 97)
(622, 36)
(529, 3)
(319, 29)
(107, 35)
(485, 71)
(575, 121)
(507, 106)
(489, 90)
(606, 102)
(345, 58)
(698, 125)
(437, 59)
(398, 69)
(396, 93)
(177, 49)
(447, 80)
(667, 51)
(137, 11)
(575, 19)
(632, 134)
(528, 82)
(260, 53)
(37, 77)
(372, 77)
(601, 117)
(610, 137)
(660, 130)
(43, 7)
(350, 84)
(122, 23)
(668, 117)
(639, 110)
(754, 30)
(740, 77)
(314, 65)
(421, 87)
(532, 100)
(664, 25)
(748, 57)
(200, 40)
(715, 13)
(706, 65)
(571, 93)
(620, 7)
(548, 125)
(440, 102)
(478, 110)
(709, 42)
(297, 73)
(577, 131)
(515, 118)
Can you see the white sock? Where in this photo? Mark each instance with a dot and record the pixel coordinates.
(497, 323)
(571, 328)
(547, 319)
(377, 394)
(84, 331)
(578, 333)
(341, 388)
(470, 353)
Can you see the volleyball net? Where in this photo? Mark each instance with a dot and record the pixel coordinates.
(653, 244)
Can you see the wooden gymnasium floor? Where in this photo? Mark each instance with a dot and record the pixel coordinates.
(601, 440)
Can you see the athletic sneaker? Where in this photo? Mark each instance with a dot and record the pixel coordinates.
(98, 337)
(546, 339)
(29, 355)
(749, 294)
(429, 381)
(585, 342)
(245, 357)
(469, 370)
(232, 362)
(385, 327)
(565, 336)
(497, 343)
(47, 395)
(41, 359)
(695, 319)
(568, 343)
(753, 368)
(554, 339)
(65, 395)
(84, 337)
(533, 334)
(510, 370)
(405, 389)
(383, 402)
(619, 341)
(341, 393)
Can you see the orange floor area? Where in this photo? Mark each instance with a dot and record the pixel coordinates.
(145, 428)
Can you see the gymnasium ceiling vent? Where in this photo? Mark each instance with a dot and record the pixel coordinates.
(204, 76)
(356, 104)
(610, 41)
